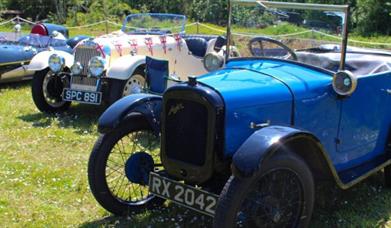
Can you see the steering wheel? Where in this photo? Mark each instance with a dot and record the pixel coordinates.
(261, 51)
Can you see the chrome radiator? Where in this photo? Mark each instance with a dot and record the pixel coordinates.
(83, 54)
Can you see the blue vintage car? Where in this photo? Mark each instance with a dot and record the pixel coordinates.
(15, 56)
(248, 143)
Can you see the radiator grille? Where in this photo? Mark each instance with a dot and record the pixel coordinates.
(186, 131)
(83, 54)
(84, 81)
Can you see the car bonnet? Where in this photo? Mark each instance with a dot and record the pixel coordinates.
(262, 90)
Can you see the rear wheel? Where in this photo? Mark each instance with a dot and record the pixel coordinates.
(47, 90)
(280, 195)
(134, 84)
(119, 167)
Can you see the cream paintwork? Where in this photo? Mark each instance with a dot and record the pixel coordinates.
(125, 66)
(120, 63)
(41, 60)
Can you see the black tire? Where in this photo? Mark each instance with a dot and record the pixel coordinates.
(234, 197)
(100, 185)
(48, 99)
(387, 176)
(119, 88)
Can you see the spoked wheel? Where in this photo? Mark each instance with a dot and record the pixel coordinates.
(47, 89)
(281, 195)
(119, 167)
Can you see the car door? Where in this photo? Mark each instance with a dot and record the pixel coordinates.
(364, 121)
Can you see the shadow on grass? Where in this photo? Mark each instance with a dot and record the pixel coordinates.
(15, 85)
(80, 117)
(367, 204)
(167, 216)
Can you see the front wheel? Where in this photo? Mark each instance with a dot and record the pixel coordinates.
(119, 167)
(47, 90)
(280, 195)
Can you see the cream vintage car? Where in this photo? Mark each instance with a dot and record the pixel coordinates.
(106, 68)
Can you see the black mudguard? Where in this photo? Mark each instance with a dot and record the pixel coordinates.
(147, 105)
(260, 145)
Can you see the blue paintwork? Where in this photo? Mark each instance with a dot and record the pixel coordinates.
(289, 94)
(15, 53)
(365, 121)
(72, 42)
(147, 104)
(257, 91)
(59, 28)
(28, 46)
(138, 166)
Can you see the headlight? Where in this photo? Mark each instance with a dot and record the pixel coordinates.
(96, 66)
(56, 63)
(76, 68)
(213, 61)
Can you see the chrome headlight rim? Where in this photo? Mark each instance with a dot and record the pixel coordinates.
(77, 68)
(56, 63)
(96, 66)
(213, 61)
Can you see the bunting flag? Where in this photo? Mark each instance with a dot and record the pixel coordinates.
(149, 43)
(118, 47)
(99, 48)
(163, 41)
(133, 45)
(178, 40)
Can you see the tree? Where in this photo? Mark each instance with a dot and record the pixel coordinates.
(372, 16)
(213, 11)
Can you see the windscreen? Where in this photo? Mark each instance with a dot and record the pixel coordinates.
(299, 33)
(154, 23)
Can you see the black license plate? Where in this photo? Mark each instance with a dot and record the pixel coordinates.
(185, 195)
(82, 96)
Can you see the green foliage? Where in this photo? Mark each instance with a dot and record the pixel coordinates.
(373, 16)
(213, 11)
(368, 17)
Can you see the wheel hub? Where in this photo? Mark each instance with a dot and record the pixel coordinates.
(138, 166)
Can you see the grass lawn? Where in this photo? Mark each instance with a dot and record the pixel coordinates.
(43, 175)
(44, 182)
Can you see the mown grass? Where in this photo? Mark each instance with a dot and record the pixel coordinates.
(44, 182)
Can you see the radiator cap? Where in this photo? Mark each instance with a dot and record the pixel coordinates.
(192, 81)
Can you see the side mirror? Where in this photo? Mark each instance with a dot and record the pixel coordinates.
(344, 83)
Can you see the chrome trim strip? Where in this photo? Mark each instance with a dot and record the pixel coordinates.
(329, 162)
(366, 175)
(355, 181)
(26, 62)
